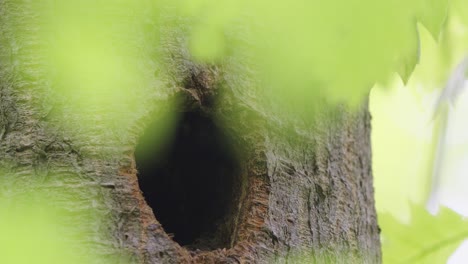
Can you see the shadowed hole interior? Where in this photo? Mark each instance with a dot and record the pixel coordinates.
(191, 183)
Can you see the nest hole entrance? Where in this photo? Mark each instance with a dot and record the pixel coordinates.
(193, 184)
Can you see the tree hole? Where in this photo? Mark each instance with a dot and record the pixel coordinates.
(193, 184)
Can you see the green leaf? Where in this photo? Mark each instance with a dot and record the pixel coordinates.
(426, 239)
(432, 15)
(311, 49)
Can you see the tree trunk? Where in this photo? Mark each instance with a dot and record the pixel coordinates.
(239, 181)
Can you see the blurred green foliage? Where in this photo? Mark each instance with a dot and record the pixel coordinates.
(33, 231)
(312, 49)
(427, 239)
(103, 54)
(301, 51)
(31, 234)
(404, 139)
(42, 221)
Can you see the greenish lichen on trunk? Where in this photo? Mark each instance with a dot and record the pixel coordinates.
(304, 189)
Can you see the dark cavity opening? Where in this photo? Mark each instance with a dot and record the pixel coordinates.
(193, 184)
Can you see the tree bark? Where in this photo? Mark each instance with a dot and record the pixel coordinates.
(292, 189)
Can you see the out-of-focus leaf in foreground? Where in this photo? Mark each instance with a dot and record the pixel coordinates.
(426, 239)
(30, 234)
(48, 218)
(310, 49)
(94, 65)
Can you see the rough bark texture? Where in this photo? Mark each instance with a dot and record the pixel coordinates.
(304, 189)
